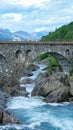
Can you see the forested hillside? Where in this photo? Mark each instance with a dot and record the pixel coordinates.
(64, 33)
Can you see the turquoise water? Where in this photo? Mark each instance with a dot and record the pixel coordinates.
(38, 115)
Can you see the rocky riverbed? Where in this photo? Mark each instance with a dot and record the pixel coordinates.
(54, 88)
(6, 92)
(11, 88)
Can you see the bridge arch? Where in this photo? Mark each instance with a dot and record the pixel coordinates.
(2, 59)
(67, 52)
(27, 53)
(62, 60)
(18, 54)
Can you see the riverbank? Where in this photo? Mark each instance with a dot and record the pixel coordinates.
(11, 88)
(7, 90)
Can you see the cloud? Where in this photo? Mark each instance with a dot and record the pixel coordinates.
(13, 17)
(29, 3)
(38, 15)
(40, 29)
(20, 5)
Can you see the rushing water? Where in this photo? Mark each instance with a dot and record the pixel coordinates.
(38, 115)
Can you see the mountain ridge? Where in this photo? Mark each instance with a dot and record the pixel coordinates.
(7, 35)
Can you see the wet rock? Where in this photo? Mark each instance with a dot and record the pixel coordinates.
(29, 69)
(2, 104)
(55, 88)
(71, 87)
(6, 86)
(58, 95)
(7, 118)
(1, 115)
(41, 76)
(7, 90)
(2, 99)
(32, 67)
(27, 73)
(26, 81)
(70, 99)
(18, 91)
(44, 61)
(22, 88)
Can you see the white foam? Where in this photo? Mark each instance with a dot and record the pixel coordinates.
(29, 87)
(48, 117)
(37, 112)
(22, 102)
(35, 73)
(22, 85)
(15, 126)
(59, 104)
(22, 78)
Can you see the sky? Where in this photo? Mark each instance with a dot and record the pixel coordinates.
(35, 15)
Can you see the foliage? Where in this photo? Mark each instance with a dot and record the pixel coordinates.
(64, 33)
(71, 71)
(42, 56)
(53, 65)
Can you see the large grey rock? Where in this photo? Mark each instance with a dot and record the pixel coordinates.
(26, 73)
(19, 92)
(55, 88)
(32, 67)
(41, 76)
(29, 69)
(26, 81)
(71, 87)
(3, 97)
(58, 95)
(7, 118)
(1, 115)
(7, 90)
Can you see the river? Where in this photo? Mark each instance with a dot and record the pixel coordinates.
(36, 114)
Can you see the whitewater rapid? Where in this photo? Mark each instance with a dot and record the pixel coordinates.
(36, 114)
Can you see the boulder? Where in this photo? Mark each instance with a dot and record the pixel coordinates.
(1, 115)
(55, 88)
(19, 92)
(7, 118)
(41, 76)
(29, 69)
(26, 73)
(26, 81)
(58, 95)
(71, 87)
(2, 99)
(70, 99)
(32, 67)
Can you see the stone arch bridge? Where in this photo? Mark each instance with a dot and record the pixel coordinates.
(14, 55)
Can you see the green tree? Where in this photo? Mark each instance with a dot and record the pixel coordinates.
(64, 33)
